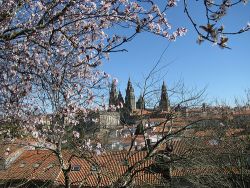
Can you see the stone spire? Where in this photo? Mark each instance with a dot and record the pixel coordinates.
(140, 104)
(130, 97)
(113, 94)
(120, 98)
(164, 102)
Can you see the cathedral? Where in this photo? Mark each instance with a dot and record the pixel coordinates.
(130, 104)
(164, 101)
(115, 98)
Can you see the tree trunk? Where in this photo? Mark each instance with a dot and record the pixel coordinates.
(66, 178)
(64, 167)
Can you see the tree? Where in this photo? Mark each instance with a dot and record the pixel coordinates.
(218, 155)
(213, 28)
(49, 54)
(144, 136)
(209, 150)
(49, 57)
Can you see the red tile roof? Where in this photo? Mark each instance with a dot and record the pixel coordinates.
(204, 133)
(234, 132)
(32, 164)
(42, 165)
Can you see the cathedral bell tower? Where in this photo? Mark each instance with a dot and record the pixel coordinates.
(113, 95)
(140, 104)
(164, 102)
(120, 99)
(115, 98)
(130, 97)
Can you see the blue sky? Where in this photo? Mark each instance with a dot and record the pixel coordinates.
(225, 73)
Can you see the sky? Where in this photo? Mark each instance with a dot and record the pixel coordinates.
(225, 73)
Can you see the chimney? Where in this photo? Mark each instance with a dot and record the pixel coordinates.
(136, 148)
(148, 141)
(6, 161)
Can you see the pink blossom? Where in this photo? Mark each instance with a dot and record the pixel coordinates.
(115, 81)
(172, 3)
(76, 134)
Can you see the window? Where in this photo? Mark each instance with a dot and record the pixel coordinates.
(22, 165)
(75, 168)
(213, 142)
(94, 168)
(51, 165)
(36, 165)
(125, 162)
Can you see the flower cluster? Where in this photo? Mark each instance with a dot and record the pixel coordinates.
(50, 51)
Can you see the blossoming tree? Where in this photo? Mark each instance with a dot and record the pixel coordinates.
(213, 28)
(49, 53)
(49, 57)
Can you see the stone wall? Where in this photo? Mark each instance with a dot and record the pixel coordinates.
(109, 120)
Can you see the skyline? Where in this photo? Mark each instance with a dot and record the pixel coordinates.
(224, 72)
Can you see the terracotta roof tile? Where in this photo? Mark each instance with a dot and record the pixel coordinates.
(32, 164)
(42, 165)
(234, 132)
(204, 133)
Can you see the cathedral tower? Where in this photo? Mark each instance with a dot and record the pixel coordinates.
(164, 102)
(113, 98)
(130, 97)
(120, 99)
(140, 104)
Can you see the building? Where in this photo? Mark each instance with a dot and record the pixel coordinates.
(130, 105)
(41, 168)
(115, 99)
(140, 104)
(130, 97)
(164, 101)
(32, 167)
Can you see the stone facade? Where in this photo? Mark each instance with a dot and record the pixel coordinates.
(104, 120)
(108, 123)
(109, 120)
